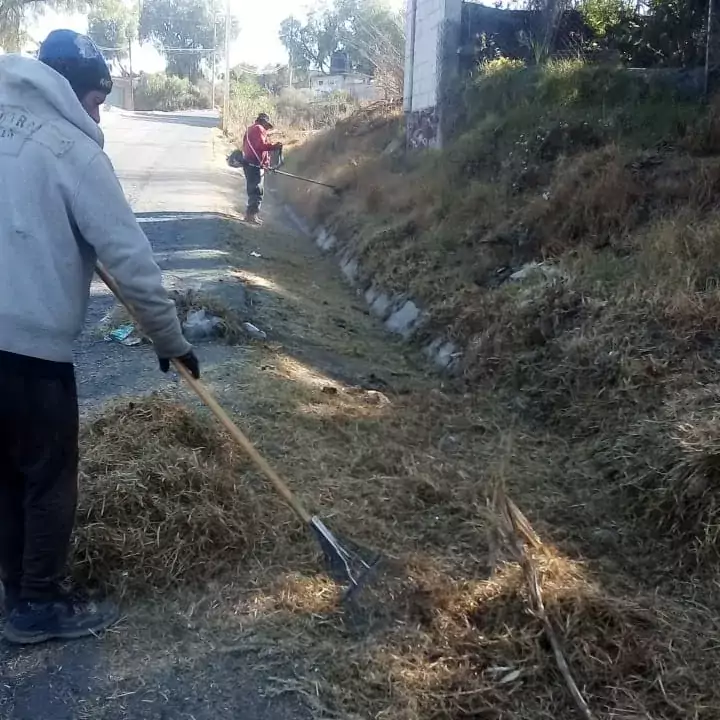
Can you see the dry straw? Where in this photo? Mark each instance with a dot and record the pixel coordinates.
(165, 500)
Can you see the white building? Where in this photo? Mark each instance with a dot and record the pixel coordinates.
(356, 85)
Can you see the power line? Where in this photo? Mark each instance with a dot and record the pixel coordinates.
(186, 51)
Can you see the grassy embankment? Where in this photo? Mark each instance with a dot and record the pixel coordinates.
(588, 394)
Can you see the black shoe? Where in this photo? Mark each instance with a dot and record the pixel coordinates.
(35, 622)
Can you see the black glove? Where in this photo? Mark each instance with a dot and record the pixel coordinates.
(189, 360)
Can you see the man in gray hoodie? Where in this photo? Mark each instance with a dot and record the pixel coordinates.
(61, 209)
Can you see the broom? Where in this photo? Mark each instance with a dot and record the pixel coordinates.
(346, 562)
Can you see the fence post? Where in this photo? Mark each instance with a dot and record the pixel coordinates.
(708, 37)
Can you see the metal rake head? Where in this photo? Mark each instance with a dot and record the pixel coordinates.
(346, 561)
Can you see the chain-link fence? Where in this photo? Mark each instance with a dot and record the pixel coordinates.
(659, 34)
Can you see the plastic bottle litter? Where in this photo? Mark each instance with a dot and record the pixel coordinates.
(199, 325)
(255, 332)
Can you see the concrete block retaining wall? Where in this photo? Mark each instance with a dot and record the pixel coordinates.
(400, 314)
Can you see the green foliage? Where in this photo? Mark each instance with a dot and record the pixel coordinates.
(667, 33)
(15, 14)
(113, 24)
(169, 93)
(500, 66)
(290, 108)
(247, 100)
(517, 120)
(603, 16)
(185, 24)
(368, 31)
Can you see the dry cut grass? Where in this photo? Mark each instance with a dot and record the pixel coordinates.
(166, 500)
(603, 361)
(600, 365)
(450, 629)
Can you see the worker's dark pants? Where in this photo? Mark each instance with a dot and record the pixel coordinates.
(38, 473)
(254, 180)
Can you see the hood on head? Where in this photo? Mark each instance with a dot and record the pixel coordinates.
(24, 78)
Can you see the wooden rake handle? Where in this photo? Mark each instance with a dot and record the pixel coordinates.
(203, 392)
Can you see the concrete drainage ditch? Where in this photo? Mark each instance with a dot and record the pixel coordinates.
(400, 314)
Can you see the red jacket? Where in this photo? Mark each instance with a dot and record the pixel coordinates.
(256, 147)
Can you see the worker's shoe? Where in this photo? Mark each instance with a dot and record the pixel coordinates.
(253, 219)
(65, 619)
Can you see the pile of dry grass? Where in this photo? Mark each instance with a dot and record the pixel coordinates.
(667, 467)
(165, 500)
(485, 654)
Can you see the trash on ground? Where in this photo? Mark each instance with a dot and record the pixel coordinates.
(207, 317)
(125, 335)
(255, 254)
(201, 325)
(254, 332)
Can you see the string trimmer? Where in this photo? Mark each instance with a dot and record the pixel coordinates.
(236, 160)
(345, 562)
(281, 161)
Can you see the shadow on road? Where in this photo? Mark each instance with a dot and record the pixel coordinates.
(204, 121)
(160, 216)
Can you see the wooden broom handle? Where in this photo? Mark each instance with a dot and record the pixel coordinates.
(203, 392)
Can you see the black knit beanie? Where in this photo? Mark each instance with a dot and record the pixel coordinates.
(77, 58)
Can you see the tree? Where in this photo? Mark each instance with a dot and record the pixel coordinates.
(274, 78)
(113, 26)
(368, 31)
(15, 13)
(311, 46)
(602, 16)
(185, 31)
(373, 35)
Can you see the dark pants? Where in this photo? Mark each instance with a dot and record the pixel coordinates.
(254, 180)
(38, 473)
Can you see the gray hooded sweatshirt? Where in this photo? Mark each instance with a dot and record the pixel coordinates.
(61, 209)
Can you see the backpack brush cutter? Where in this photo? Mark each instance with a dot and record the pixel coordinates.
(346, 562)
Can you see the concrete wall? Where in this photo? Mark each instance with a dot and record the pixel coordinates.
(426, 34)
(358, 86)
(120, 96)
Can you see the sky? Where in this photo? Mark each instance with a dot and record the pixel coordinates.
(257, 44)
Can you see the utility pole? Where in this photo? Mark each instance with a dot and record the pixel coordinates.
(226, 99)
(132, 89)
(708, 39)
(290, 69)
(214, 55)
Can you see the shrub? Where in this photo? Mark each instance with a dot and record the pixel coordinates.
(168, 93)
(247, 100)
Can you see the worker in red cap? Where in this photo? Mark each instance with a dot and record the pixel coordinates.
(256, 160)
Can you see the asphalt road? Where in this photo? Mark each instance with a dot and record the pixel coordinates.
(170, 162)
(173, 171)
(172, 167)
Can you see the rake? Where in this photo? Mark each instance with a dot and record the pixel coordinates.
(346, 562)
